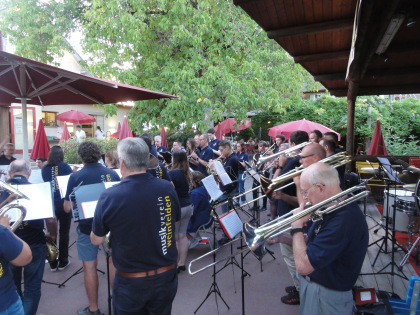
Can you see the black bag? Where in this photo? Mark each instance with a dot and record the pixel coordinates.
(382, 307)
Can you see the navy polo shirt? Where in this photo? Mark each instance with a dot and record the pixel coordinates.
(159, 171)
(91, 173)
(5, 161)
(32, 232)
(206, 154)
(182, 187)
(231, 166)
(282, 206)
(202, 209)
(49, 174)
(162, 149)
(242, 157)
(338, 249)
(10, 248)
(214, 144)
(140, 212)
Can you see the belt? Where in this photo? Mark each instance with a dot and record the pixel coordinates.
(309, 279)
(146, 273)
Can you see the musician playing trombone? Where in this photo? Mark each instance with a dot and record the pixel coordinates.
(329, 262)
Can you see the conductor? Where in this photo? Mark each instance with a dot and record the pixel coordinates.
(140, 212)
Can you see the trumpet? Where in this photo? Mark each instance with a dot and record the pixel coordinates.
(7, 205)
(255, 238)
(289, 153)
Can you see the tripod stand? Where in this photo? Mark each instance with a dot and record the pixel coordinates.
(214, 288)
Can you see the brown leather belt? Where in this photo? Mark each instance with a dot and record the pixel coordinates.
(146, 273)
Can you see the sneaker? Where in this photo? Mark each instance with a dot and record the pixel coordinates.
(290, 289)
(263, 209)
(222, 241)
(291, 299)
(53, 266)
(195, 241)
(87, 311)
(62, 266)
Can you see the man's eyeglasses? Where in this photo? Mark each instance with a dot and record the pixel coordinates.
(306, 156)
(304, 192)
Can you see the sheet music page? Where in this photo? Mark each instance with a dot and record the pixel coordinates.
(224, 177)
(212, 188)
(231, 223)
(110, 184)
(36, 177)
(88, 208)
(218, 167)
(62, 184)
(40, 203)
(254, 174)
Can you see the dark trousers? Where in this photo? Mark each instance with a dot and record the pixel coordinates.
(64, 219)
(145, 296)
(256, 193)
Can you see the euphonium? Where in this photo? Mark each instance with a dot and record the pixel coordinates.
(7, 204)
(52, 250)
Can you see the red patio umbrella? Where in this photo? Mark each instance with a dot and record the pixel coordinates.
(41, 146)
(230, 125)
(117, 133)
(75, 117)
(306, 125)
(125, 131)
(377, 146)
(65, 135)
(163, 136)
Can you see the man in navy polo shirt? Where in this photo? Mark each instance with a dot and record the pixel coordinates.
(140, 212)
(331, 260)
(91, 173)
(16, 252)
(214, 143)
(204, 155)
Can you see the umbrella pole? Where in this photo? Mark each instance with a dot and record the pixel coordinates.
(24, 114)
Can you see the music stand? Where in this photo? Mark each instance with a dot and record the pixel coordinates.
(214, 288)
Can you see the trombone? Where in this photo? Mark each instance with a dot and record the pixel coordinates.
(289, 153)
(255, 238)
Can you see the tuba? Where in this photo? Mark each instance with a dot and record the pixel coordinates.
(7, 205)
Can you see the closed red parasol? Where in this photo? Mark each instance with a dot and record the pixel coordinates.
(75, 117)
(125, 131)
(117, 133)
(305, 125)
(41, 146)
(377, 146)
(163, 136)
(65, 135)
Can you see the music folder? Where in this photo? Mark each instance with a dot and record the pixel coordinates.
(221, 172)
(231, 224)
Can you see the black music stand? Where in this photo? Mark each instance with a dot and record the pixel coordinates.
(214, 288)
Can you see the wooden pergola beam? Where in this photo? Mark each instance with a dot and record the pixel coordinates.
(311, 28)
(326, 56)
(379, 90)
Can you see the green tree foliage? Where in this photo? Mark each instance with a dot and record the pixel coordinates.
(207, 52)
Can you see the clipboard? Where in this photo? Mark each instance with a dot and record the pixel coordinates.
(231, 224)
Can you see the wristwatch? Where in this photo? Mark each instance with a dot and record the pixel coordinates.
(296, 230)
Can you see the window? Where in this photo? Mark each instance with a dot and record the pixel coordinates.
(48, 118)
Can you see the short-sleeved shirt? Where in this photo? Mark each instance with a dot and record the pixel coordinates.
(91, 173)
(159, 171)
(50, 173)
(5, 161)
(338, 249)
(214, 145)
(282, 206)
(140, 212)
(242, 157)
(206, 154)
(182, 187)
(10, 248)
(32, 232)
(231, 166)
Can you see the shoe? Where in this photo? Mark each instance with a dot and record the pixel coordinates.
(268, 214)
(181, 268)
(195, 241)
(291, 298)
(87, 311)
(222, 241)
(290, 289)
(62, 266)
(263, 209)
(53, 266)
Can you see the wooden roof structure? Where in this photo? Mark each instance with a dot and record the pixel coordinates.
(352, 47)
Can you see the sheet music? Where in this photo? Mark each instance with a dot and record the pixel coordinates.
(118, 171)
(110, 184)
(221, 172)
(36, 177)
(88, 208)
(388, 169)
(62, 184)
(212, 188)
(231, 224)
(254, 174)
(40, 203)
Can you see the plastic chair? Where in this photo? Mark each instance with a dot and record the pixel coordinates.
(411, 305)
(204, 229)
